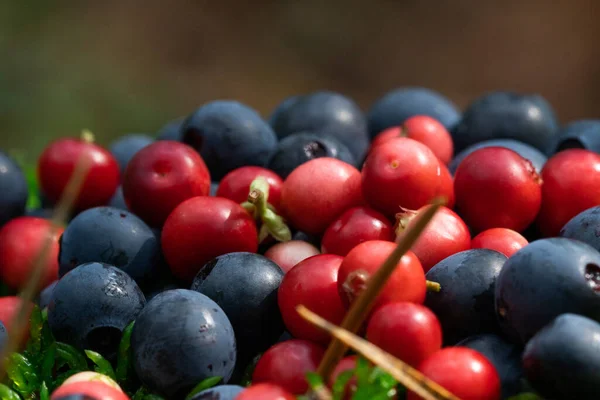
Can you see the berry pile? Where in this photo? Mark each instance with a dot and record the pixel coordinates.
(181, 267)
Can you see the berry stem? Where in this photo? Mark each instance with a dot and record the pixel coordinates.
(361, 307)
(258, 206)
(433, 286)
(87, 136)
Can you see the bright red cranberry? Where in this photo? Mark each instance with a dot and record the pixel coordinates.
(9, 306)
(312, 283)
(202, 228)
(407, 282)
(57, 164)
(400, 173)
(93, 389)
(571, 185)
(408, 331)
(160, 177)
(353, 227)
(265, 391)
(497, 188)
(505, 241)
(318, 191)
(346, 364)
(21, 241)
(446, 188)
(286, 364)
(445, 235)
(288, 254)
(236, 184)
(464, 372)
(424, 129)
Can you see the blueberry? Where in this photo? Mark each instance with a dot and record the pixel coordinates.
(213, 188)
(465, 305)
(3, 336)
(398, 105)
(112, 236)
(562, 361)
(171, 130)
(118, 200)
(314, 240)
(323, 113)
(13, 187)
(544, 279)
(91, 305)
(584, 227)
(299, 148)
(223, 392)
(46, 295)
(229, 135)
(181, 338)
(124, 148)
(537, 158)
(245, 286)
(45, 213)
(505, 356)
(583, 134)
(508, 115)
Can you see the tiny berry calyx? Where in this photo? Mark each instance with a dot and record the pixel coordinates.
(355, 284)
(262, 211)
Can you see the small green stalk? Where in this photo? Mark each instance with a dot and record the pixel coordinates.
(258, 206)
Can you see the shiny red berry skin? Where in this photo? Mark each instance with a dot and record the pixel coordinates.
(423, 129)
(408, 331)
(9, 306)
(571, 185)
(160, 177)
(400, 172)
(236, 184)
(202, 228)
(445, 235)
(57, 164)
(356, 225)
(407, 282)
(265, 391)
(464, 372)
(288, 254)
(286, 364)
(318, 191)
(312, 283)
(497, 188)
(94, 389)
(446, 188)
(505, 241)
(21, 240)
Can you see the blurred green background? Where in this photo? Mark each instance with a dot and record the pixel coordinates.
(127, 66)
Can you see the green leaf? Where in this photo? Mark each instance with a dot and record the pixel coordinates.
(205, 384)
(124, 362)
(44, 392)
(47, 365)
(7, 393)
(151, 396)
(314, 380)
(103, 366)
(525, 396)
(247, 375)
(362, 372)
(339, 386)
(71, 356)
(34, 344)
(22, 374)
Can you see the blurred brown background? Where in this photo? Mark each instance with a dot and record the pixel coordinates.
(125, 66)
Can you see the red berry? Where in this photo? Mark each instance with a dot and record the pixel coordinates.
(312, 283)
(236, 184)
(288, 254)
(318, 191)
(445, 235)
(202, 228)
(346, 364)
(287, 363)
(160, 177)
(407, 282)
(446, 188)
(408, 331)
(265, 391)
(497, 188)
(9, 306)
(94, 389)
(424, 129)
(463, 372)
(505, 241)
(353, 227)
(400, 173)
(571, 185)
(57, 164)
(21, 241)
